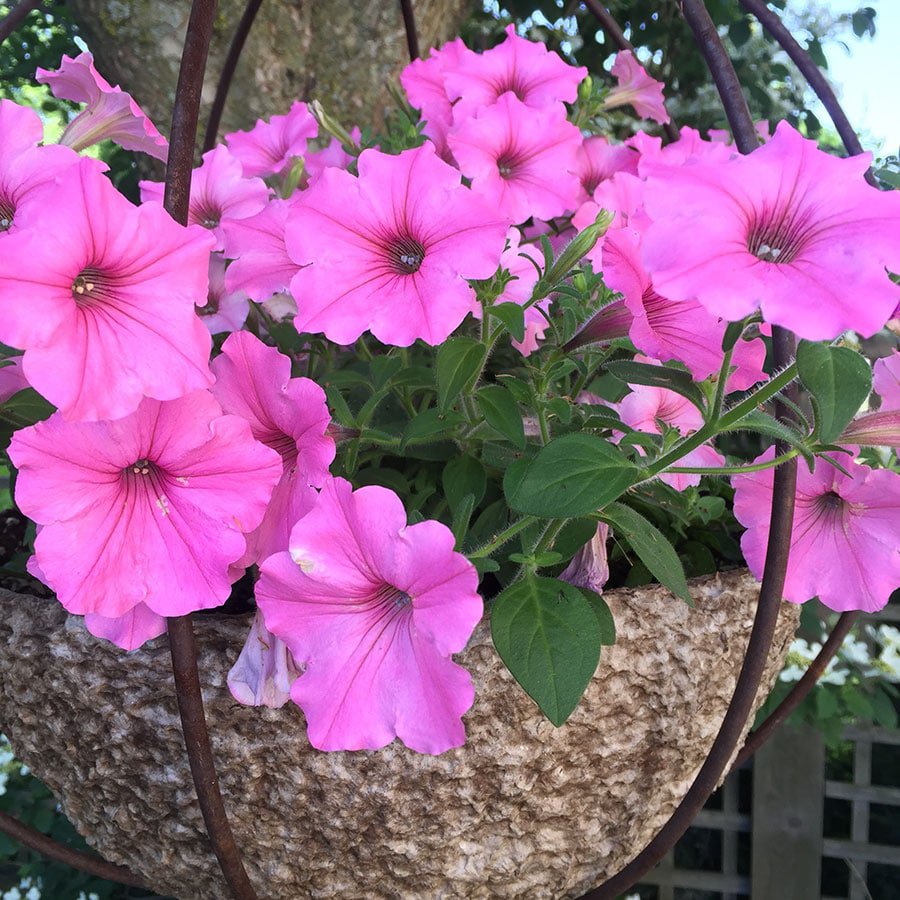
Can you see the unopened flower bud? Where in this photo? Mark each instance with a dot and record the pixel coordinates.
(611, 322)
(573, 253)
(333, 127)
(877, 429)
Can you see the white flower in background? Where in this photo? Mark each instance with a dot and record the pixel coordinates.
(801, 654)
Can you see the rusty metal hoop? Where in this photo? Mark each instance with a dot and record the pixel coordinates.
(186, 676)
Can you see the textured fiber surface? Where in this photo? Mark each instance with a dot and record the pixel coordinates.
(523, 810)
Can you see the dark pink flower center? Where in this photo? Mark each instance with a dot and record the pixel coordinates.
(405, 254)
(207, 214)
(91, 287)
(513, 82)
(391, 599)
(146, 479)
(779, 236)
(7, 211)
(507, 164)
(283, 443)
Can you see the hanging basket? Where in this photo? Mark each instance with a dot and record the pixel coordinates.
(524, 809)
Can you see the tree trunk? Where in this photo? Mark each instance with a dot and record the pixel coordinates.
(343, 54)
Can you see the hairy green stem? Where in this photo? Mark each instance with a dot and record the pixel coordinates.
(733, 470)
(731, 417)
(506, 535)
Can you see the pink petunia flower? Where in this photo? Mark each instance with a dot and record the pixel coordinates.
(844, 544)
(265, 669)
(219, 193)
(667, 329)
(423, 80)
(390, 251)
(373, 608)
(110, 114)
(536, 75)
(636, 88)
(130, 630)
(261, 266)
(598, 160)
(289, 415)
(650, 409)
(24, 165)
(508, 149)
(886, 380)
(788, 229)
(151, 508)
(271, 147)
(224, 310)
(101, 294)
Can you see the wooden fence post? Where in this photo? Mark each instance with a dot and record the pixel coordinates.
(788, 794)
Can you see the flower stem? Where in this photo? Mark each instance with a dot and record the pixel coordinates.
(504, 536)
(733, 470)
(731, 417)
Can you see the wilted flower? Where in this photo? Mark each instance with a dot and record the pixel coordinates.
(265, 669)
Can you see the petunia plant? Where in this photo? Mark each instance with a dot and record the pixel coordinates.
(384, 386)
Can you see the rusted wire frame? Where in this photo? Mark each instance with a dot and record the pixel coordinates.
(800, 690)
(181, 631)
(810, 71)
(62, 853)
(409, 23)
(16, 16)
(613, 29)
(228, 68)
(777, 548)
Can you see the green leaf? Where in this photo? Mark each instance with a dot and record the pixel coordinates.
(733, 332)
(604, 616)
(652, 548)
(462, 515)
(463, 476)
(762, 423)
(338, 405)
(384, 368)
(549, 637)
(839, 381)
(458, 366)
(430, 424)
(501, 412)
(658, 376)
(484, 565)
(512, 316)
(574, 535)
(571, 476)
